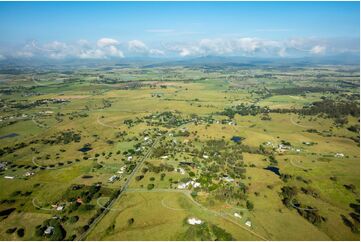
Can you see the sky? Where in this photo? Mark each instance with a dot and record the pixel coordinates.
(177, 29)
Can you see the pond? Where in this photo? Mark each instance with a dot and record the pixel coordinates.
(85, 149)
(275, 170)
(237, 139)
(11, 135)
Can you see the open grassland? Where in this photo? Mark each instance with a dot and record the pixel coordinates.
(132, 153)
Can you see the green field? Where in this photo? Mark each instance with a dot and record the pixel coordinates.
(158, 128)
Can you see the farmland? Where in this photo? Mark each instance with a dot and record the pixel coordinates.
(131, 152)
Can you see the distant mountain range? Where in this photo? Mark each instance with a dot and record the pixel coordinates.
(205, 61)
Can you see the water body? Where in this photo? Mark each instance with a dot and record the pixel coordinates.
(237, 139)
(275, 170)
(9, 136)
(85, 149)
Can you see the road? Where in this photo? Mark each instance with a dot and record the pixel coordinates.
(124, 188)
(225, 216)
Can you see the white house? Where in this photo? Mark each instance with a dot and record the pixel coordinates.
(194, 221)
(248, 223)
(237, 215)
(339, 155)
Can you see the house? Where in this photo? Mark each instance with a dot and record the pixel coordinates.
(59, 208)
(180, 170)
(248, 223)
(146, 138)
(9, 177)
(113, 178)
(130, 158)
(194, 221)
(189, 183)
(205, 156)
(237, 215)
(49, 230)
(121, 171)
(339, 155)
(228, 179)
(2, 166)
(164, 157)
(29, 173)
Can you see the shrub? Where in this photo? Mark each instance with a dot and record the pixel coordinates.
(21, 232)
(11, 230)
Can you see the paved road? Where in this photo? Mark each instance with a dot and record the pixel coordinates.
(124, 188)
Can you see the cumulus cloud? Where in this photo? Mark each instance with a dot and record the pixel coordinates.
(139, 47)
(245, 46)
(239, 46)
(104, 42)
(318, 49)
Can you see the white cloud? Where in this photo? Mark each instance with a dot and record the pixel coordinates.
(244, 46)
(137, 46)
(104, 42)
(318, 49)
(24, 54)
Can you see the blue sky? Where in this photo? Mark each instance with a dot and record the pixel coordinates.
(98, 29)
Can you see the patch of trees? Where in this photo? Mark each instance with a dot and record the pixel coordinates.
(64, 137)
(354, 128)
(288, 195)
(301, 90)
(57, 234)
(162, 167)
(9, 150)
(332, 109)
(205, 232)
(243, 110)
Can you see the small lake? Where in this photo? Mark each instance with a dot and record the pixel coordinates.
(85, 149)
(236, 139)
(9, 136)
(275, 170)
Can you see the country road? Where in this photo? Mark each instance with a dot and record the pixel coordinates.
(124, 188)
(187, 193)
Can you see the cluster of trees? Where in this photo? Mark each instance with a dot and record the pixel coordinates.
(331, 108)
(162, 167)
(243, 110)
(353, 224)
(9, 150)
(300, 90)
(205, 231)
(58, 233)
(64, 137)
(288, 195)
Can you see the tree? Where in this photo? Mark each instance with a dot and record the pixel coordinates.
(130, 221)
(249, 205)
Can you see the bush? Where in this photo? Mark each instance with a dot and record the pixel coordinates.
(11, 230)
(87, 207)
(73, 219)
(21, 232)
(150, 186)
(249, 205)
(138, 178)
(130, 221)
